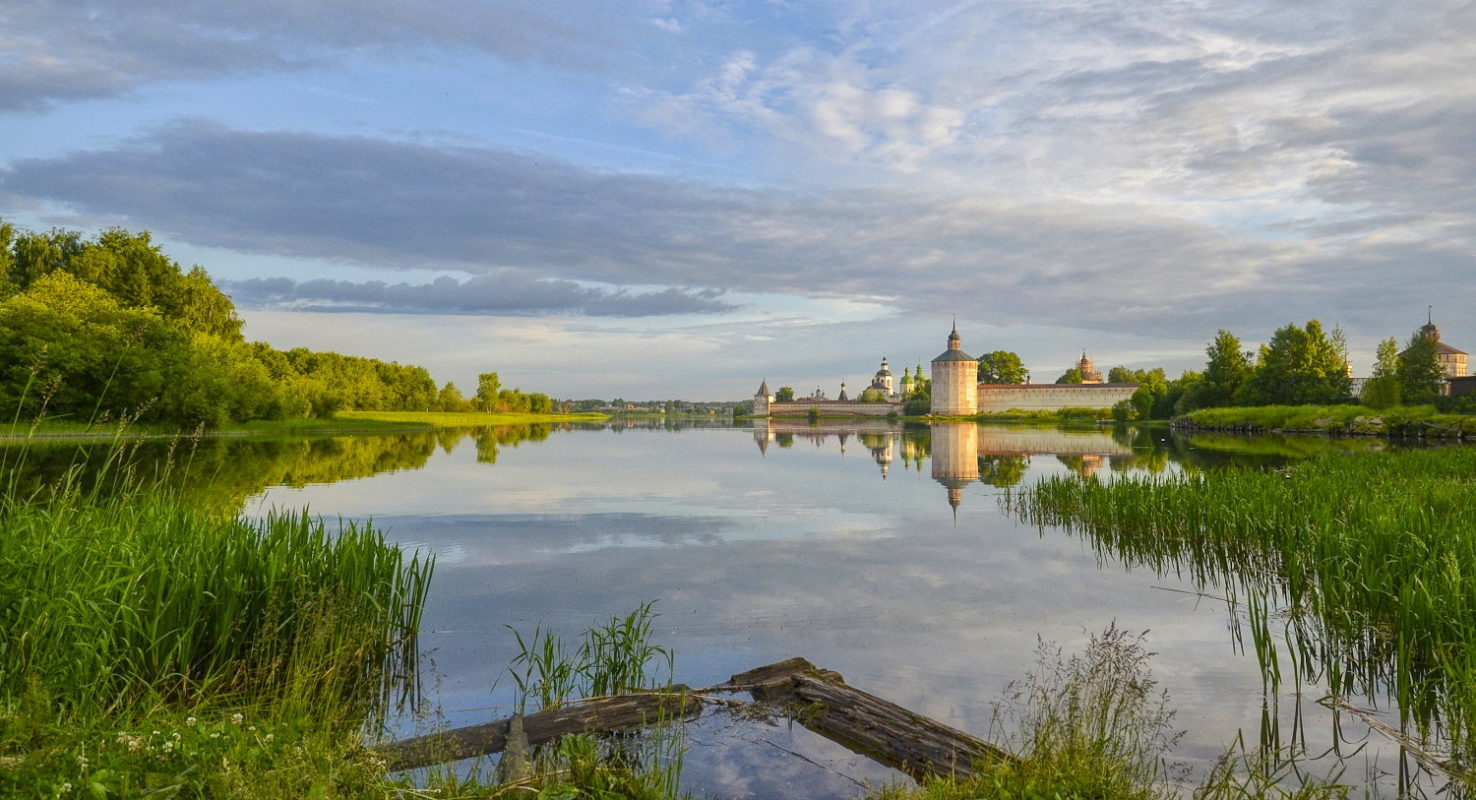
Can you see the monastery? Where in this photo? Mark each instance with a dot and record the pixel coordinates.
(956, 391)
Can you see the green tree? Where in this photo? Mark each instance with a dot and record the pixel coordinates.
(1001, 366)
(1299, 366)
(488, 388)
(872, 395)
(784, 395)
(1382, 389)
(450, 398)
(1420, 374)
(1072, 375)
(1227, 369)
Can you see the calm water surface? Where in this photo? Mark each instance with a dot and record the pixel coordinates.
(880, 552)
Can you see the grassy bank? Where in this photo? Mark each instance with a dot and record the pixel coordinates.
(1364, 563)
(305, 426)
(1351, 420)
(152, 649)
(1087, 415)
(461, 419)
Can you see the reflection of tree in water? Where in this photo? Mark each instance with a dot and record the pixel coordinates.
(784, 439)
(917, 445)
(1002, 471)
(490, 439)
(217, 473)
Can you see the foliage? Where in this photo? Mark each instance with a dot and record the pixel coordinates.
(113, 327)
(872, 395)
(1298, 366)
(1420, 374)
(1372, 555)
(1403, 421)
(1226, 370)
(784, 395)
(1382, 389)
(157, 649)
(1001, 366)
(1072, 375)
(613, 658)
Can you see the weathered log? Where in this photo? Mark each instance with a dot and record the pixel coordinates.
(622, 712)
(883, 731)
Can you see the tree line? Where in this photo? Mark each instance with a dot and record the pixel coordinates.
(1299, 365)
(110, 327)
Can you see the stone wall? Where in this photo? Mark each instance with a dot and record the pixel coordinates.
(996, 398)
(799, 408)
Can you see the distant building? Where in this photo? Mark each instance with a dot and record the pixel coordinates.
(1089, 373)
(958, 393)
(1453, 362)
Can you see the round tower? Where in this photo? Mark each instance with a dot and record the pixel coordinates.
(955, 384)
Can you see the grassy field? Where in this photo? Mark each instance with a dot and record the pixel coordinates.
(1402, 421)
(1355, 570)
(459, 419)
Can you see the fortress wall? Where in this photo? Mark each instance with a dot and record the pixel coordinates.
(834, 407)
(996, 398)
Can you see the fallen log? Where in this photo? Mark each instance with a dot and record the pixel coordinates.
(622, 712)
(863, 723)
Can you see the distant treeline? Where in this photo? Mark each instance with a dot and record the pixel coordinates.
(110, 327)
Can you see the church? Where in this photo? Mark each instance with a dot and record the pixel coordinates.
(956, 391)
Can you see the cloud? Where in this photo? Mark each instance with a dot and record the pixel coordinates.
(532, 224)
(76, 49)
(502, 293)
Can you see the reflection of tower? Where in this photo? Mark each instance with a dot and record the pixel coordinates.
(955, 385)
(1090, 463)
(763, 433)
(881, 453)
(955, 458)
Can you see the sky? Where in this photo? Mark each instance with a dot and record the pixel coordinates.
(654, 199)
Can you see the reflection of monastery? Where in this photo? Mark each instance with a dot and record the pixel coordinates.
(956, 391)
(960, 453)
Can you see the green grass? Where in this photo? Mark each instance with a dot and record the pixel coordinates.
(468, 419)
(152, 647)
(305, 426)
(1364, 564)
(1401, 421)
(1094, 726)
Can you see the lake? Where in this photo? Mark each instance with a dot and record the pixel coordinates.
(882, 552)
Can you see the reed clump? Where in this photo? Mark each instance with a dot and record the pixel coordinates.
(147, 646)
(1369, 559)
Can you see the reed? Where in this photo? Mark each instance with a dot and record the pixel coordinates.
(1364, 562)
(151, 647)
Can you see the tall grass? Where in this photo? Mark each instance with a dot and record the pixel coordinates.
(614, 657)
(1365, 562)
(151, 647)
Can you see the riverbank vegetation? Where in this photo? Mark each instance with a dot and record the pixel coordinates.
(156, 648)
(465, 419)
(1407, 421)
(1363, 562)
(108, 328)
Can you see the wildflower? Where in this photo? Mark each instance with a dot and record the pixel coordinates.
(250, 727)
(65, 788)
(269, 737)
(236, 719)
(189, 720)
(215, 735)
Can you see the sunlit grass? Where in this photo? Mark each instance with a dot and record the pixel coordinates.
(466, 419)
(1367, 562)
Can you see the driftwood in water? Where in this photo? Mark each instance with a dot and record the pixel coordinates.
(622, 712)
(887, 733)
(817, 699)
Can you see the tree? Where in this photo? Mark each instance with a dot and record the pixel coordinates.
(1001, 366)
(872, 395)
(1299, 366)
(1228, 367)
(488, 385)
(1382, 389)
(450, 398)
(1072, 375)
(1420, 375)
(784, 395)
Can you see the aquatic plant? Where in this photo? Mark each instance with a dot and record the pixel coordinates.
(1364, 562)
